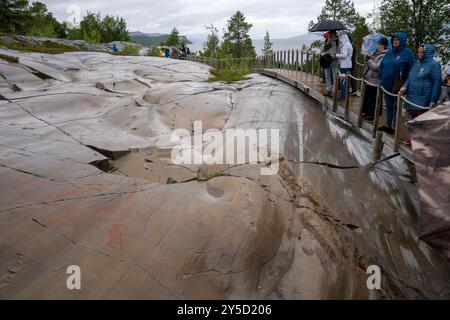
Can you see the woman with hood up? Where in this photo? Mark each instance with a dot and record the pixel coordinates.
(423, 86)
(394, 70)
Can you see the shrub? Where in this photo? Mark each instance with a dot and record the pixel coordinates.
(129, 50)
(227, 76)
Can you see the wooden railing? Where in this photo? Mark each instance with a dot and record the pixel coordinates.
(381, 92)
(307, 61)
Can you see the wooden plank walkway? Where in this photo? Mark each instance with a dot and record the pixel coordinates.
(315, 88)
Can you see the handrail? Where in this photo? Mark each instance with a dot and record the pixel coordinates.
(388, 92)
(357, 79)
(307, 61)
(370, 83)
(414, 104)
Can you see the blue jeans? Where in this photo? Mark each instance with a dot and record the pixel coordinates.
(391, 106)
(328, 78)
(343, 85)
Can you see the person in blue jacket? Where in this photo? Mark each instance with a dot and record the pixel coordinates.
(394, 71)
(423, 86)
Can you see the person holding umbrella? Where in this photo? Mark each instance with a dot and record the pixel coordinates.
(329, 50)
(328, 60)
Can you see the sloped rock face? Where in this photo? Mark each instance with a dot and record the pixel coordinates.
(153, 229)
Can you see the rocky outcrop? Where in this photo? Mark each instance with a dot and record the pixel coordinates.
(74, 45)
(86, 179)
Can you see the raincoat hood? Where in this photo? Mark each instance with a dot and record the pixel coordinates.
(402, 36)
(430, 50)
(343, 39)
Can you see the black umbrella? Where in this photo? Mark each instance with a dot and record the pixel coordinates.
(328, 25)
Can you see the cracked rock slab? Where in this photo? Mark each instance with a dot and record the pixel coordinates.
(86, 179)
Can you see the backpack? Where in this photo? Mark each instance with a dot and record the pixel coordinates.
(326, 60)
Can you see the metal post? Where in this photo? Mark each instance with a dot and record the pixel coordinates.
(296, 60)
(361, 103)
(301, 60)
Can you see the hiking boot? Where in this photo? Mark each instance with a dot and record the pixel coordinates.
(390, 130)
(387, 129)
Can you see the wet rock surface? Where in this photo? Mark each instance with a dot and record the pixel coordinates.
(86, 179)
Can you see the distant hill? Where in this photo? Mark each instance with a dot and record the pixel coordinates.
(150, 39)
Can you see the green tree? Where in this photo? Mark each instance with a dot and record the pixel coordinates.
(211, 46)
(173, 39)
(14, 16)
(42, 22)
(361, 30)
(425, 21)
(267, 49)
(236, 40)
(345, 12)
(113, 29)
(90, 27)
(342, 10)
(94, 29)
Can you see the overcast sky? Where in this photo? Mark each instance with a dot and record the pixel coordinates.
(283, 18)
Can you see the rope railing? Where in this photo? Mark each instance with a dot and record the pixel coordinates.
(308, 62)
(401, 99)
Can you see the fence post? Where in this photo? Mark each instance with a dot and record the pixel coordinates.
(361, 103)
(296, 60)
(313, 64)
(378, 106)
(336, 88)
(293, 60)
(378, 147)
(318, 66)
(397, 121)
(301, 60)
(289, 60)
(347, 94)
(307, 61)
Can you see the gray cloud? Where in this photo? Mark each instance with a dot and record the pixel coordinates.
(283, 18)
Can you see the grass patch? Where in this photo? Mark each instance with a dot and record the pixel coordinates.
(128, 50)
(227, 76)
(154, 52)
(9, 58)
(46, 47)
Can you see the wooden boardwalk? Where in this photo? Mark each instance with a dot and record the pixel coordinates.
(315, 88)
